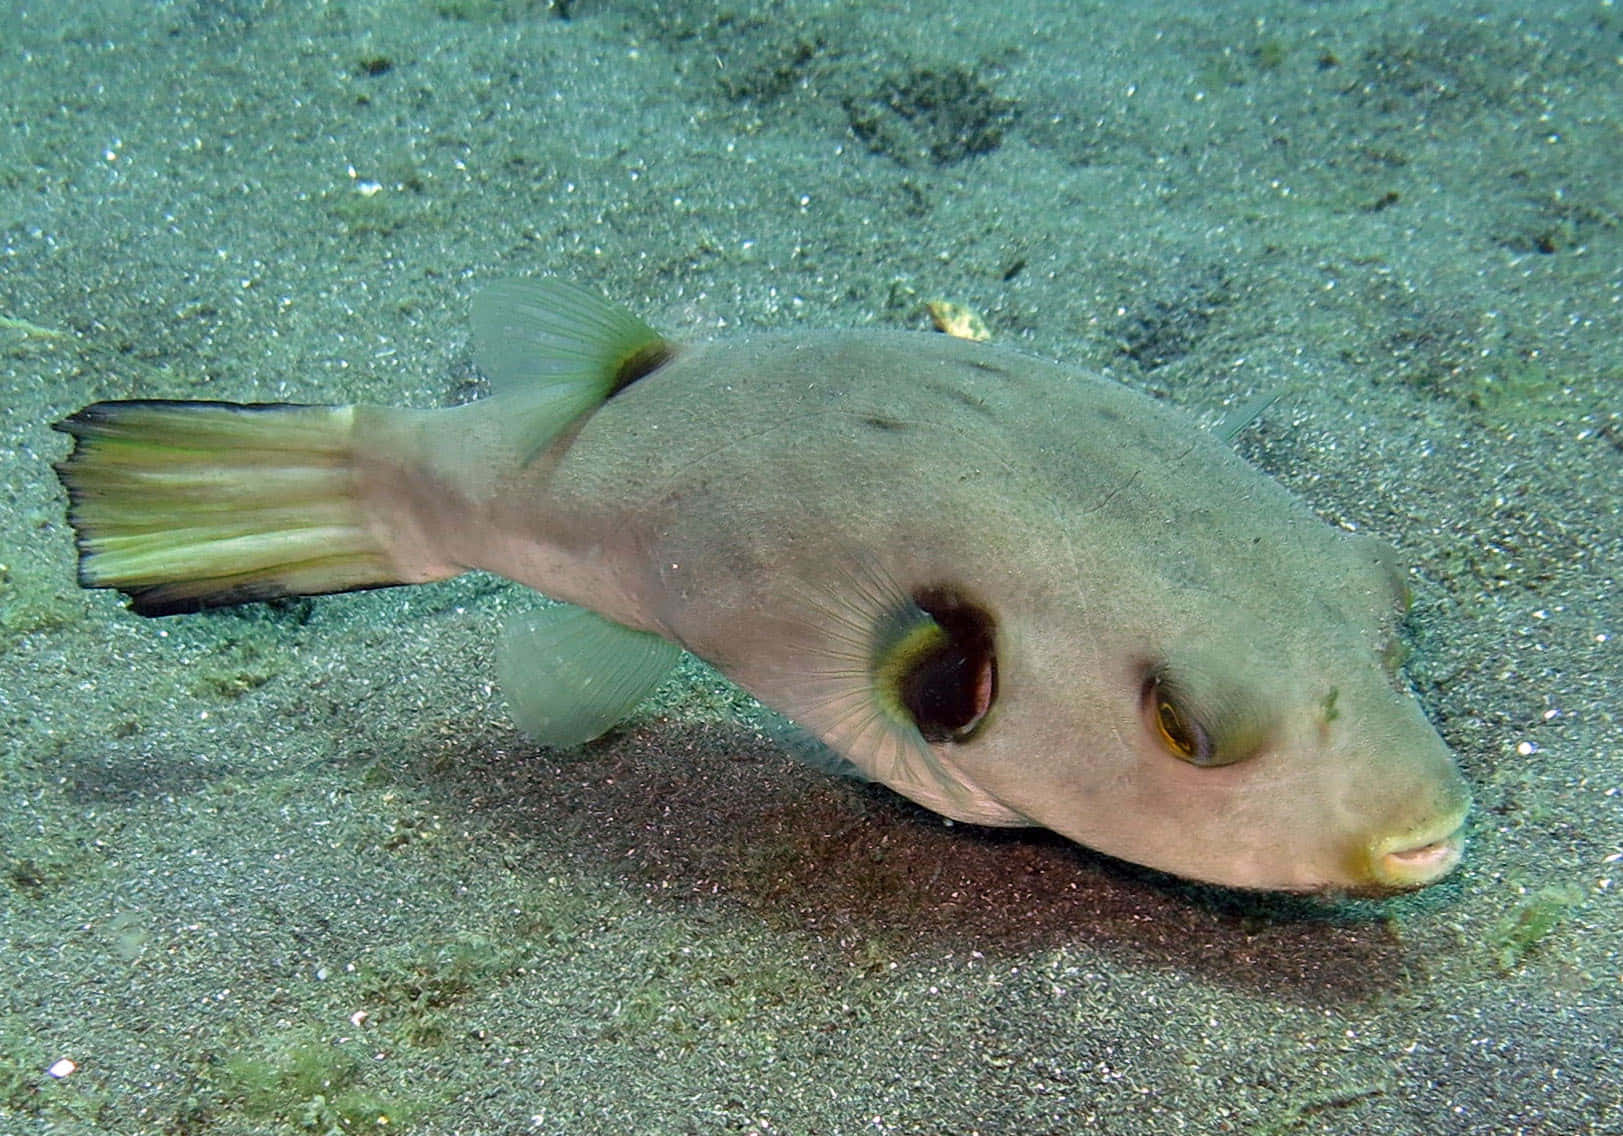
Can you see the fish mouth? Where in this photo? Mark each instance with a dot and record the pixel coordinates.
(1408, 860)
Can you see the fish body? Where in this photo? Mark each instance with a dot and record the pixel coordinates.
(1015, 592)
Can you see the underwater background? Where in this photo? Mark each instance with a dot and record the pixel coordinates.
(290, 869)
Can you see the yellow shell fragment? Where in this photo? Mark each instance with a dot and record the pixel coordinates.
(957, 320)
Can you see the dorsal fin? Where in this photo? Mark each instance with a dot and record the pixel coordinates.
(529, 333)
(555, 352)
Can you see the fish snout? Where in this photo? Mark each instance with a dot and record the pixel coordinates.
(1411, 860)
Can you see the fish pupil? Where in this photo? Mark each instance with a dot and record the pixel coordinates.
(1174, 730)
(1181, 732)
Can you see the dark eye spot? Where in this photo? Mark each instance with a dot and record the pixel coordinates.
(949, 689)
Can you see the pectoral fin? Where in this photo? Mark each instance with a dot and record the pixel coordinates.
(570, 675)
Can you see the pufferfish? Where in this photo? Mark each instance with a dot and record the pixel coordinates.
(1012, 591)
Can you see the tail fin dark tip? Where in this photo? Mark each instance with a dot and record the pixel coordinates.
(158, 601)
(110, 410)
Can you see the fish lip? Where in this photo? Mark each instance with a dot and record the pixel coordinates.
(1412, 860)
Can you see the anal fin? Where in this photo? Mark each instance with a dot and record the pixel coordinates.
(570, 674)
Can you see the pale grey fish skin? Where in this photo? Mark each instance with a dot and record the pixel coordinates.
(756, 499)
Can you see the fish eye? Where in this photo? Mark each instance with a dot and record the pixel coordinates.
(1176, 726)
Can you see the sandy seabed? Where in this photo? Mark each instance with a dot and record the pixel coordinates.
(290, 869)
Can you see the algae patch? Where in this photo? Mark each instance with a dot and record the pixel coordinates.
(17, 335)
(236, 668)
(409, 991)
(1527, 926)
(299, 1080)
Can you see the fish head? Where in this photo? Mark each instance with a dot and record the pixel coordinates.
(1251, 733)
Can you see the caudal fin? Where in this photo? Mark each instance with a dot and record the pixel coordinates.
(187, 505)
